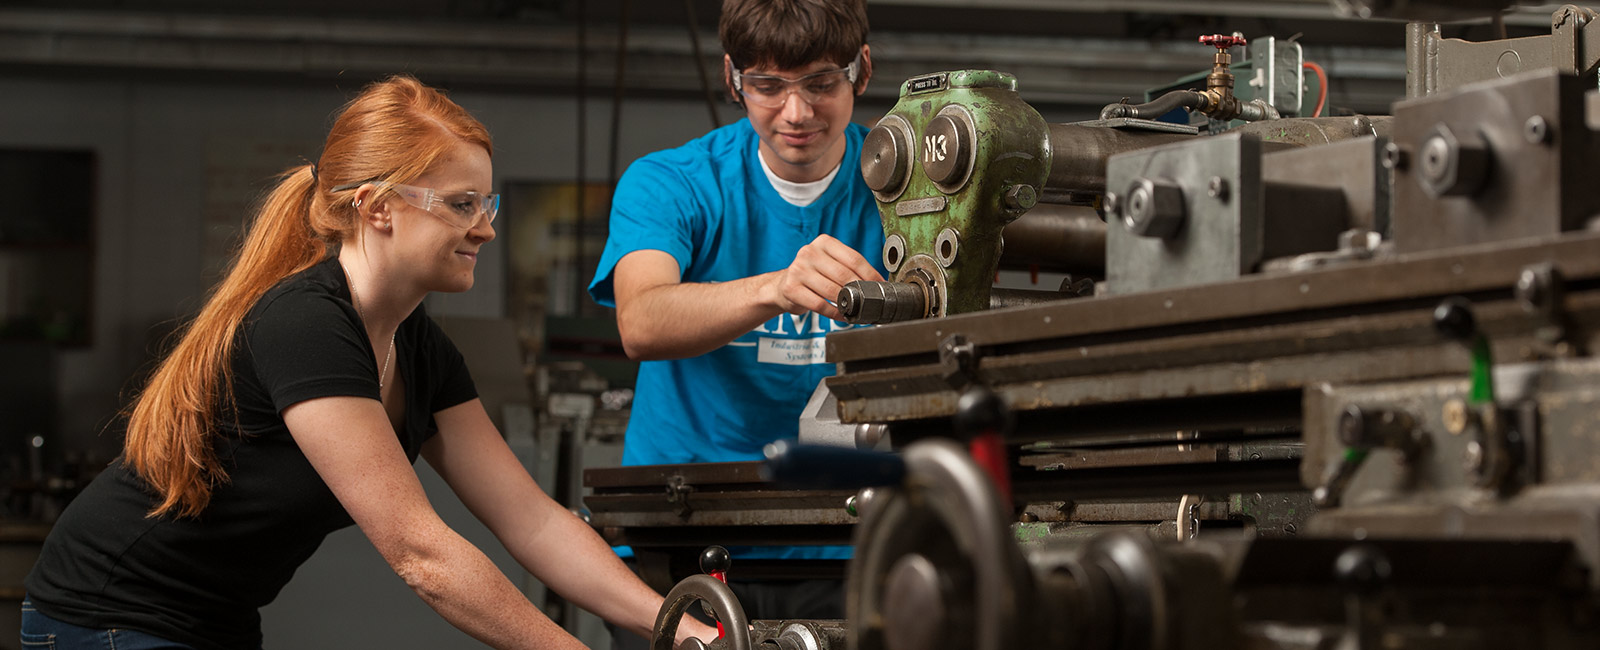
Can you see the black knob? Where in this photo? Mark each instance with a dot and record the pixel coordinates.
(1362, 568)
(981, 409)
(715, 559)
(1453, 318)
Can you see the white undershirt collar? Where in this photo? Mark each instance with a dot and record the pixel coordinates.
(799, 194)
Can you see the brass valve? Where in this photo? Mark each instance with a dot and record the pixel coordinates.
(1218, 99)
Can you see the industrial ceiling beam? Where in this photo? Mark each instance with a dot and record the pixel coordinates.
(1068, 74)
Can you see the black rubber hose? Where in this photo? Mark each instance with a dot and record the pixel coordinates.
(1152, 110)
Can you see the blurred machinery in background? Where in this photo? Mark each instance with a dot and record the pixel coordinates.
(1314, 382)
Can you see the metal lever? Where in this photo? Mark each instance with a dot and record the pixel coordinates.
(1489, 456)
(820, 467)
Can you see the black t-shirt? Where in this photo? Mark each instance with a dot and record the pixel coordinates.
(201, 581)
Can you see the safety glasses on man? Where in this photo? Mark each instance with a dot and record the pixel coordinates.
(770, 91)
(459, 209)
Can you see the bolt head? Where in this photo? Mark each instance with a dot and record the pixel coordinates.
(1021, 197)
(1154, 208)
(1530, 289)
(1218, 188)
(1448, 166)
(1537, 130)
(1395, 157)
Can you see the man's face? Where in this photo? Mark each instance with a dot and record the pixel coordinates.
(800, 114)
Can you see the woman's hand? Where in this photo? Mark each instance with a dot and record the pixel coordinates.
(693, 628)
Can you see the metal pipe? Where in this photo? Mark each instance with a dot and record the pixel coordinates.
(1078, 154)
(1058, 238)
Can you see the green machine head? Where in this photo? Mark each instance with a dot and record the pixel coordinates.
(956, 159)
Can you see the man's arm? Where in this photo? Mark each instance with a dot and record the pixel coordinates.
(661, 317)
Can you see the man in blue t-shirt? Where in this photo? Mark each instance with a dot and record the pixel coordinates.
(725, 254)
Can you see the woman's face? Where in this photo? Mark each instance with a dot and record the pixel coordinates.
(431, 248)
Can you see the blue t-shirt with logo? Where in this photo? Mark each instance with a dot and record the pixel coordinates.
(709, 205)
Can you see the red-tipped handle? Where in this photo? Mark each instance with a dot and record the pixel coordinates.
(1223, 41)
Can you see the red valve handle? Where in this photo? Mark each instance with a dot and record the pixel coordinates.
(1223, 41)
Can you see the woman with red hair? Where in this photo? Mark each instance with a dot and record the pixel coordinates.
(296, 403)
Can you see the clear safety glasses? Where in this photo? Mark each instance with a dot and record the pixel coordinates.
(459, 209)
(770, 91)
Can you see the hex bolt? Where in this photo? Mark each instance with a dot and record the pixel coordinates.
(1155, 208)
(1359, 240)
(1449, 166)
(1021, 197)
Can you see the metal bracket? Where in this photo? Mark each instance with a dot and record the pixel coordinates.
(1541, 291)
(678, 491)
(958, 361)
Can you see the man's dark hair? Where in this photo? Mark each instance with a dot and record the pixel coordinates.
(789, 34)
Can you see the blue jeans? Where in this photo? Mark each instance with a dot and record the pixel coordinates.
(40, 632)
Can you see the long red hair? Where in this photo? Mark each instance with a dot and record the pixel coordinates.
(395, 130)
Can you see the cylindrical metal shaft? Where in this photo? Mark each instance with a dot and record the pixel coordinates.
(1059, 238)
(1078, 154)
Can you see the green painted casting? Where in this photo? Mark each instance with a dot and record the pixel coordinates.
(1012, 149)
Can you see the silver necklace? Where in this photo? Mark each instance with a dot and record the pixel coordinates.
(387, 356)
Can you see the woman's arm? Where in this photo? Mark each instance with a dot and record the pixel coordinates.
(553, 544)
(354, 449)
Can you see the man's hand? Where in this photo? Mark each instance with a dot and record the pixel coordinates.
(816, 275)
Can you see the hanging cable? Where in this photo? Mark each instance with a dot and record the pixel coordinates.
(700, 63)
(617, 92)
(577, 262)
(1322, 86)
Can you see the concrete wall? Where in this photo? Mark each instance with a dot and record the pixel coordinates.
(158, 144)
